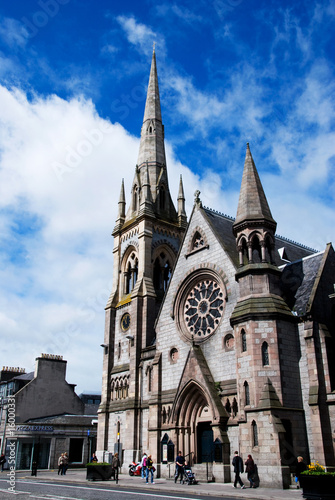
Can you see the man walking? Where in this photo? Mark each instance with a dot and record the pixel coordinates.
(238, 468)
(180, 461)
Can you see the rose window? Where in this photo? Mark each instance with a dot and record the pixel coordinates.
(203, 309)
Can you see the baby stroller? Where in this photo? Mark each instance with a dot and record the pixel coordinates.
(189, 476)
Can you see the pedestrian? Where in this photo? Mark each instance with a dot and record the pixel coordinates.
(60, 463)
(115, 466)
(150, 469)
(94, 458)
(2, 461)
(238, 468)
(180, 462)
(65, 463)
(300, 467)
(250, 470)
(144, 466)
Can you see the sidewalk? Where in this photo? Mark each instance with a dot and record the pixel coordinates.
(78, 476)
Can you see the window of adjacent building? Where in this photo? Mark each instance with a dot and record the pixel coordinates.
(244, 340)
(254, 433)
(265, 354)
(76, 450)
(246, 393)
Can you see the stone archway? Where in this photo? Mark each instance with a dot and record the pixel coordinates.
(191, 413)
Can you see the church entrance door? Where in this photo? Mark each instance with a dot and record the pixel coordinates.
(205, 442)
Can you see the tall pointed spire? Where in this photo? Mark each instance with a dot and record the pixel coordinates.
(182, 218)
(122, 209)
(151, 158)
(122, 202)
(252, 205)
(152, 134)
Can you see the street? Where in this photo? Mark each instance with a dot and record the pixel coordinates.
(31, 489)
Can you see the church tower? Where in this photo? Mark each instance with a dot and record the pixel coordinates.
(267, 355)
(146, 241)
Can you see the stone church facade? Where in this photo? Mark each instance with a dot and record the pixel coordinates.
(219, 334)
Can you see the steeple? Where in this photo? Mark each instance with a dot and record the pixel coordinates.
(151, 159)
(152, 134)
(253, 207)
(254, 227)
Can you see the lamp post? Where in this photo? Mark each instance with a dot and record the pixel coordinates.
(88, 446)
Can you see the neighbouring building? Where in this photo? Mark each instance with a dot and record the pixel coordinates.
(219, 334)
(49, 416)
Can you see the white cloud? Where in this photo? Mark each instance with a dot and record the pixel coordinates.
(141, 35)
(56, 245)
(13, 33)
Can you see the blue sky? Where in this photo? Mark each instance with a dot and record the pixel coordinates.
(73, 78)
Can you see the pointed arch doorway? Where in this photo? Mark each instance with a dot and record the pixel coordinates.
(194, 423)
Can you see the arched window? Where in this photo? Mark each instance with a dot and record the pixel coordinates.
(162, 273)
(256, 250)
(243, 340)
(254, 433)
(128, 279)
(268, 250)
(112, 390)
(265, 354)
(157, 274)
(131, 273)
(234, 407)
(246, 394)
(198, 241)
(244, 251)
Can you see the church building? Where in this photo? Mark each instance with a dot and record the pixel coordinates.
(219, 334)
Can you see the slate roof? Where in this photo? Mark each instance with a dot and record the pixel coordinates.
(298, 279)
(222, 226)
(298, 276)
(66, 418)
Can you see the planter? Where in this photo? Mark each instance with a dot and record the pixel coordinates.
(99, 472)
(317, 487)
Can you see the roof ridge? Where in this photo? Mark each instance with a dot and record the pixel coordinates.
(278, 236)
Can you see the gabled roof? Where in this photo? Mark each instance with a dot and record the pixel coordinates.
(301, 279)
(223, 227)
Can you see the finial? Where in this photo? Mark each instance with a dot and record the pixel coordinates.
(153, 46)
(197, 200)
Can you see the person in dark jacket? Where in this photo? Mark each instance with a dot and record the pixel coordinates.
(238, 468)
(180, 462)
(250, 470)
(2, 461)
(301, 467)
